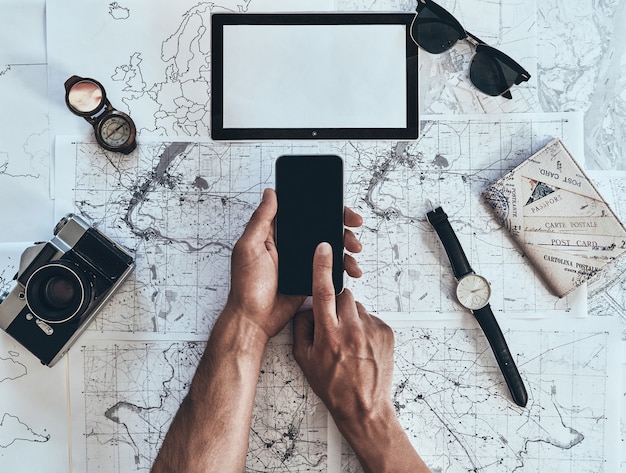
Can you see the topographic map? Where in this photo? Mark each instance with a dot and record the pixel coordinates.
(606, 290)
(131, 391)
(450, 397)
(448, 393)
(182, 205)
(180, 202)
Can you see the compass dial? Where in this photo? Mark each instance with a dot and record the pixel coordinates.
(473, 291)
(115, 131)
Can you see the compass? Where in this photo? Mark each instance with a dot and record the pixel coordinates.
(114, 130)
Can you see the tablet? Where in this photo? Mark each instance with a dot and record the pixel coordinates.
(313, 76)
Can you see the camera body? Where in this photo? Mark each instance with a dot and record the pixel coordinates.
(60, 287)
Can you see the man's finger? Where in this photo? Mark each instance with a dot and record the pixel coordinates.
(352, 266)
(323, 289)
(351, 243)
(347, 308)
(262, 220)
(351, 218)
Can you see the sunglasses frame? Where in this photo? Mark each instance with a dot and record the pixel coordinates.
(445, 16)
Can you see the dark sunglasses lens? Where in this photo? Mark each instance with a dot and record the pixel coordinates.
(434, 35)
(491, 75)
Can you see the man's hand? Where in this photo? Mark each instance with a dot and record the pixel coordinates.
(345, 353)
(347, 356)
(254, 270)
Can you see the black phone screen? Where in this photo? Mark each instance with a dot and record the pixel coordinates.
(310, 210)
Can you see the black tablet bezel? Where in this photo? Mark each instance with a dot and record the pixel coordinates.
(219, 20)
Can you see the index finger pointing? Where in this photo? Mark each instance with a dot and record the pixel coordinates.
(324, 309)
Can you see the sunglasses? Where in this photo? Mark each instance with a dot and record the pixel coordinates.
(435, 30)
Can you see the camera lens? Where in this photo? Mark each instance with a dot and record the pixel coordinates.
(58, 291)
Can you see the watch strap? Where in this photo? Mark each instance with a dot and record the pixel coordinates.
(491, 329)
(439, 220)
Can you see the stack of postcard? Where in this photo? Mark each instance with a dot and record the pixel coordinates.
(558, 218)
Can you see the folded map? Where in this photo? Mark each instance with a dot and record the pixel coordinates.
(558, 218)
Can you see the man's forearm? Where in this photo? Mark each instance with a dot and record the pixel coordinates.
(381, 444)
(211, 429)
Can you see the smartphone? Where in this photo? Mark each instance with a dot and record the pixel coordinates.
(309, 189)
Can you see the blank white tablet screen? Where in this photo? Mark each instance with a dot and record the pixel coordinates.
(314, 76)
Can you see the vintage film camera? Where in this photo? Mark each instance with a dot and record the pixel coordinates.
(61, 285)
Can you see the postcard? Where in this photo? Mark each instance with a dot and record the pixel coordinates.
(557, 218)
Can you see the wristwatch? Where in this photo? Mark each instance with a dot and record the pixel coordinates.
(473, 292)
(114, 130)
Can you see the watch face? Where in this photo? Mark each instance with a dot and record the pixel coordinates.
(473, 291)
(115, 131)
